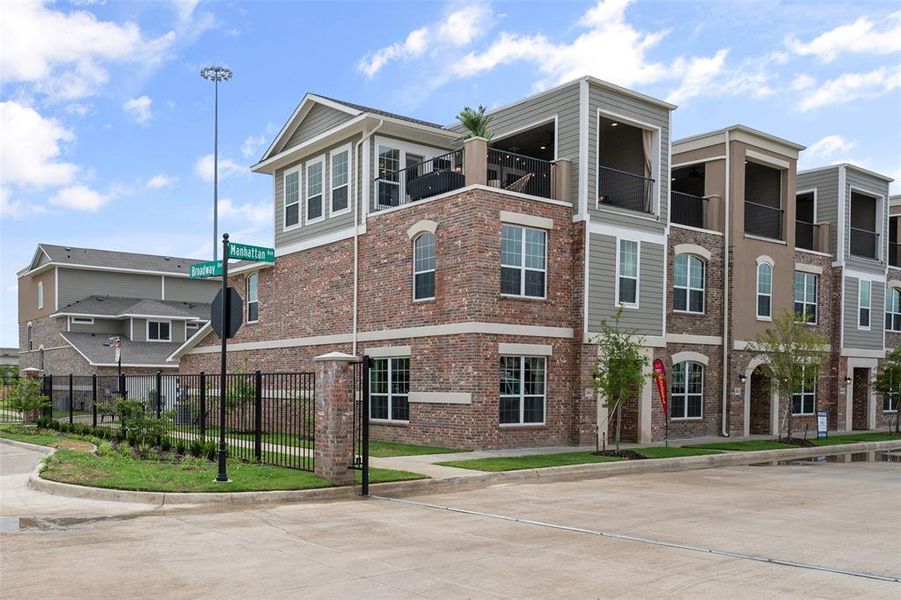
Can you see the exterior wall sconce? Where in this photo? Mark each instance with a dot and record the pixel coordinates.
(742, 378)
(847, 380)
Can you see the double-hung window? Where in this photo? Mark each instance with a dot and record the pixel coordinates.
(627, 273)
(389, 180)
(890, 402)
(687, 391)
(159, 331)
(253, 297)
(340, 175)
(424, 266)
(389, 389)
(893, 309)
(764, 291)
(864, 286)
(292, 197)
(315, 205)
(688, 284)
(522, 390)
(806, 296)
(523, 261)
(804, 400)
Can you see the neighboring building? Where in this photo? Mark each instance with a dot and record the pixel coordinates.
(477, 277)
(9, 357)
(73, 300)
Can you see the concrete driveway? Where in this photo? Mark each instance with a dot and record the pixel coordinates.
(836, 515)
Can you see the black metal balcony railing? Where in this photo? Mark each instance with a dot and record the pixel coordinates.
(763, 220)
(807, 235)
(423, 180)
(625, 190)
(688, 209)
(519, 173)
(894, 254)
(864, 243)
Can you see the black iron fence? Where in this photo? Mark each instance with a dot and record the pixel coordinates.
(423, 180)
(864, 243)
(807, 235)
(270, 417)
(625, 190)
(763, 220)
(361, 421)
(688, 209)
(519, 173)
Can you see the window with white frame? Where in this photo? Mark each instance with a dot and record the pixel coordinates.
(81, 320)
(627, 273)
(40, 295)
(523, 261)
(191, 328)
(687, 391)
(253, 299)
(29, 336)
(764, 291)
(804, 400)
(890, 402)
(389, 389)
(315, 209)
(688, 284)
(389, 182)
(893, 309)
(864, 287)
(806, 296)
(159, 331)
(292, 197)
(424, 266)
(340, 175)
(522, 389)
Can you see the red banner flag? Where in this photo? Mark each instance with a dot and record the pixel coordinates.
(660, 378)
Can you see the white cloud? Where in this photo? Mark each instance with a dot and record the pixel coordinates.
(16, 209)
(139, 109)
(700, 74)
(81, 109)
(863, 36)
(249, 215)
(803, 82)
(252, 144)
(79, 197)
(227, 167)
(457, 29)
(160, 181)
(849, 87)
(32, 143)
(830, 146)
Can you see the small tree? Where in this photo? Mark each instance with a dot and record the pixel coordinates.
(621, 365)
(25, 396)
(888, 382)
(795, 353)
(476, 122)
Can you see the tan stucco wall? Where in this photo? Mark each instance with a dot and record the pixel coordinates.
(28, 295)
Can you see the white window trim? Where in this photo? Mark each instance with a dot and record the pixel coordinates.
(248, 302)
(802, 393)
(350, 173)
(147, 330)
(686, 394)
(688, 287)
(432, 270)
(763, 260)
(522, 267)
(880, 220)
(81, 321)
(637, 278)
(816, 292)
(320, 160)
(889, 290)
(40, 295)
(390, 394)
(522, 394)
(656, 162)
(869, 305)
(300, 208)
(403, 148)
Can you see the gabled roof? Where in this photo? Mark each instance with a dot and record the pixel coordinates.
(120, 308)
(134, 354)
(111, 259)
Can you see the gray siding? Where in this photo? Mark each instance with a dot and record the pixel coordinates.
(76, 284)
(139, 329)
(631, 108)
(826, 185)
(648, 318)
(319, 120)
(330, 224)
(102, 326)
(179, 289)
(868, 183)
(860, 338)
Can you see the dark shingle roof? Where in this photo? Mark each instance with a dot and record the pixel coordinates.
(115, 306)
(378, 111)
(133, 353)
(118, 260)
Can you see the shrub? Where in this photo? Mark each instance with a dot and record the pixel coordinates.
(211, 450)
(25, 397)
(133, 438)
(196, 448)
(180, 447)
(105, 448)
(165, 443)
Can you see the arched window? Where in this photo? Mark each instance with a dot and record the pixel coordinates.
(764, 291)
(253, 298)
(893, 310)
(424, 266)
(688, 284)
(29, 336)
(687, 391)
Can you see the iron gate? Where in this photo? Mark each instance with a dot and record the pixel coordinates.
(361, 421)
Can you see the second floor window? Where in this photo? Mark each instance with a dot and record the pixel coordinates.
(863, 304)
(40, 295)
(688, 284)
(340, 188)
(627, 273)
(253, 298)
(523, 269)
(159, 331)
(424, 267)
(764, 291)
(806, 296)
(804, 400)
(389, 182)
(893, 310)
(314, 190)
(292, 198)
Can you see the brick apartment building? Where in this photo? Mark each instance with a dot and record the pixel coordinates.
(477, 276)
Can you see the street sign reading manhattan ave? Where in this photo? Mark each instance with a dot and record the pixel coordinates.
(213, 268)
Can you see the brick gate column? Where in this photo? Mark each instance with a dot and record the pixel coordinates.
(334, 446)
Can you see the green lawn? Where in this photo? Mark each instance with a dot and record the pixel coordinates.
(20, 433)
(855, 437)
(673, 451)
(388, 449)
(531, 461)
(743, 445)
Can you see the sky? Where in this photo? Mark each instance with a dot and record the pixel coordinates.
(106, 127)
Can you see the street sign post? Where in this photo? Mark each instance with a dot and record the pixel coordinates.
(253, 253)
(202, 270)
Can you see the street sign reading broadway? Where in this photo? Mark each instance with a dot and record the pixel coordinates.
(212, 268)
(254, 253)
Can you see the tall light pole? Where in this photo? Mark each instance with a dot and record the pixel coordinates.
(216, 74)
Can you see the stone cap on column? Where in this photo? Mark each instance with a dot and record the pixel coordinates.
(339, 356)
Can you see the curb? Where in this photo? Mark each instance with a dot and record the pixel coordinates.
(459, 483)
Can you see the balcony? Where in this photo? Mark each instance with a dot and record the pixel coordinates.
(420, 181)
(688, 209)
(762, 220)
(807, 235)
(625, 190)
(519, 173)
(864, 243)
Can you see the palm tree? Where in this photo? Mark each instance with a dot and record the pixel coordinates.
(475, 122)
